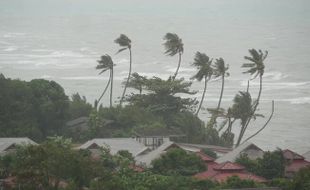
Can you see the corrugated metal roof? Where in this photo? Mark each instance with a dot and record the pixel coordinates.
(235, 153)
(5, 143)
(117, 144)
(148, 158)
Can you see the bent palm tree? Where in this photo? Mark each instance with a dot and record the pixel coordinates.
(243, 109)
(220, 70)
(104, 64)
(256, 67)
(125, 43)
(174, 45)
(203, 63)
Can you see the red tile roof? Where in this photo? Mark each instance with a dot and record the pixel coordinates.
(220, 172)
(205, 157)
(296, 165)
(229, 166)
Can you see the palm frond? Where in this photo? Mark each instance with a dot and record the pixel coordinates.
(123, 41)
(173, 44)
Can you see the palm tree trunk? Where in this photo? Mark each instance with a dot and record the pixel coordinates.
(272, 111)
(222, 90)
(129, 74)
(179, 64)
(105, 89)
(111, 90)
(203, 96)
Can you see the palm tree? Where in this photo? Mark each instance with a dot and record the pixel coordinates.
(104, 64)
(203, 63)
(256, 67)
(174, 45)
(243, 110)
(220, 70)
(125, 43)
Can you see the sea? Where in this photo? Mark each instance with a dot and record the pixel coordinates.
(62, 40)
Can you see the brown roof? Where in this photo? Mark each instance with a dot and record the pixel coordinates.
(229, 166)
(290, 155)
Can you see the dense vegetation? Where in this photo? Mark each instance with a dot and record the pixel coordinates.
(55, 165)
(270, 166)
(40, 108)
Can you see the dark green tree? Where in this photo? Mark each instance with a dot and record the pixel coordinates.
(174, 45)
(78, 106)
(178, 162)
(125, 43)
(203, 63)
(137, 82)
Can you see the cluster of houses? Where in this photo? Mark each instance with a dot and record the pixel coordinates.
(146, 149)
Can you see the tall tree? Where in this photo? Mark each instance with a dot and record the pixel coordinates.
(220, 70)
(243, 110)
(125, 43)
(104, 64)
(256, 68)
(174, 45)
(203, 63)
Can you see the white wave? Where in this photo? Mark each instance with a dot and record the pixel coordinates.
(277, 84)
(46, 77)
(58, 54)
(11, 48)
(13, 34)
(121, 61)
(42, 50)
(276, 75)
(181, 70)
(300, 100)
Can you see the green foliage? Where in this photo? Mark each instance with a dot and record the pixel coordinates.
(79, 107)
(35, 109)
(272, 165)
(236, 182)
(178, 162)
(301, 181)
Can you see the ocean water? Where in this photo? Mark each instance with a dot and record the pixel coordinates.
(62, 39)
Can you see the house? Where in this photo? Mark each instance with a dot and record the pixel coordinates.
(78, 124)
(155, 137)
(295, 162)
(307, 156)
(115, 145)
(221, 172)
(9, 144)
(250, 149)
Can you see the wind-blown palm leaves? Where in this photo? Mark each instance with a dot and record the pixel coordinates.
(203, 63)
(125, 43)
(256, 67)
(174, 45)
(243, 110)
(105, 64)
